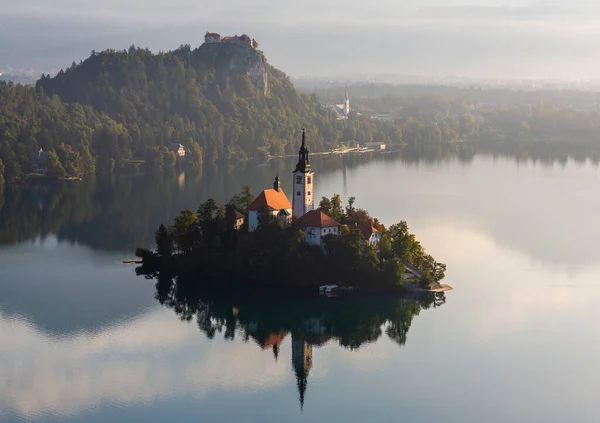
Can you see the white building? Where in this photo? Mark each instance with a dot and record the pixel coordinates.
(343, 110)
(178, 149)
(303, 195)
(316, 225)
(273, 201)
(370, 235)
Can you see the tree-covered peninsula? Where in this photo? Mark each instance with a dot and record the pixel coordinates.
(216, 248)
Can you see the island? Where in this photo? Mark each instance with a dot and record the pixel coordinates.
(273, 243)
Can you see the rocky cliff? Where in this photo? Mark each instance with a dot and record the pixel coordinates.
(235, 59)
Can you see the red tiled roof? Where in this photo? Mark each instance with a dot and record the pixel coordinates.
(239, 215)
(273, 339)
(272, 200)
(212, 34)
(317, 219)
(234, 38)
(367, 230)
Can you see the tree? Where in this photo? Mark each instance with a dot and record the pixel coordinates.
(393, 270)
(164, 241)
(467, 125)
(325, 205)
(1, 172)
(337, 212)
(350, 209)
(54, 168)
(185, 231)
(242, 200)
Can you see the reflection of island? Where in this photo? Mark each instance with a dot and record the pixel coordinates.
(310, 322)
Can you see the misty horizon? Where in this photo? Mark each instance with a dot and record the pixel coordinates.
(319, 39)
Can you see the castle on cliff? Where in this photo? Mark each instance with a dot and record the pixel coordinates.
(214, 38)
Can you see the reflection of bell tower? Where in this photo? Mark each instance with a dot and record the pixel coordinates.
(302, 362)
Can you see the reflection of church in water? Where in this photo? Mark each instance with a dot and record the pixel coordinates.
(313, 334)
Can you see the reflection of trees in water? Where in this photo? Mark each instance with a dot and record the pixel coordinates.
(122, 213)
(310, 321)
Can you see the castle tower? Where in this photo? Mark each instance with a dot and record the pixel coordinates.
(302, 362)
(347, 103)
(304, 178)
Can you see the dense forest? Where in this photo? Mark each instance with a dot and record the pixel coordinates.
(123, 110)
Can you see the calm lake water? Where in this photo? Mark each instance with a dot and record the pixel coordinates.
(83, 339)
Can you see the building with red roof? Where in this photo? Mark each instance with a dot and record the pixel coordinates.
(370, 234)
(316, 225)
(272, 201)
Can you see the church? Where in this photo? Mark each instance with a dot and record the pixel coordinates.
(314, 223)
(343, 110)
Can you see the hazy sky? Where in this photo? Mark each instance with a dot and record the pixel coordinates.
(509, 38)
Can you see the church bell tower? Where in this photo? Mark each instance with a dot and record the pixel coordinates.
(347, 103)
(304, 178)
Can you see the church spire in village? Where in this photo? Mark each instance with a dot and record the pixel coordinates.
(347, 103)
(303, 196)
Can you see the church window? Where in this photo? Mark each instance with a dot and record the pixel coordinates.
(298, 193)
(309, 180)
(298, 179)
(308, 192)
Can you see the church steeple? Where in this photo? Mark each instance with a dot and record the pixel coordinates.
(303, 164)
(303, 195)
(277, 184)
(347, 103)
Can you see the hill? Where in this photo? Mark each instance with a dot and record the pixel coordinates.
(124, 109)
(68, 133)
(222, 99)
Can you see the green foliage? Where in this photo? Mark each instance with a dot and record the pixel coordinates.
(213, 100)
(185, 231)
(164, 241)
(325, 205)
(276, 254)
(1, 173)
(54, 166)
(30, 120)
(243, 199)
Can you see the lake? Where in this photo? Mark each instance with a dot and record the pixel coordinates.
(83, 339)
